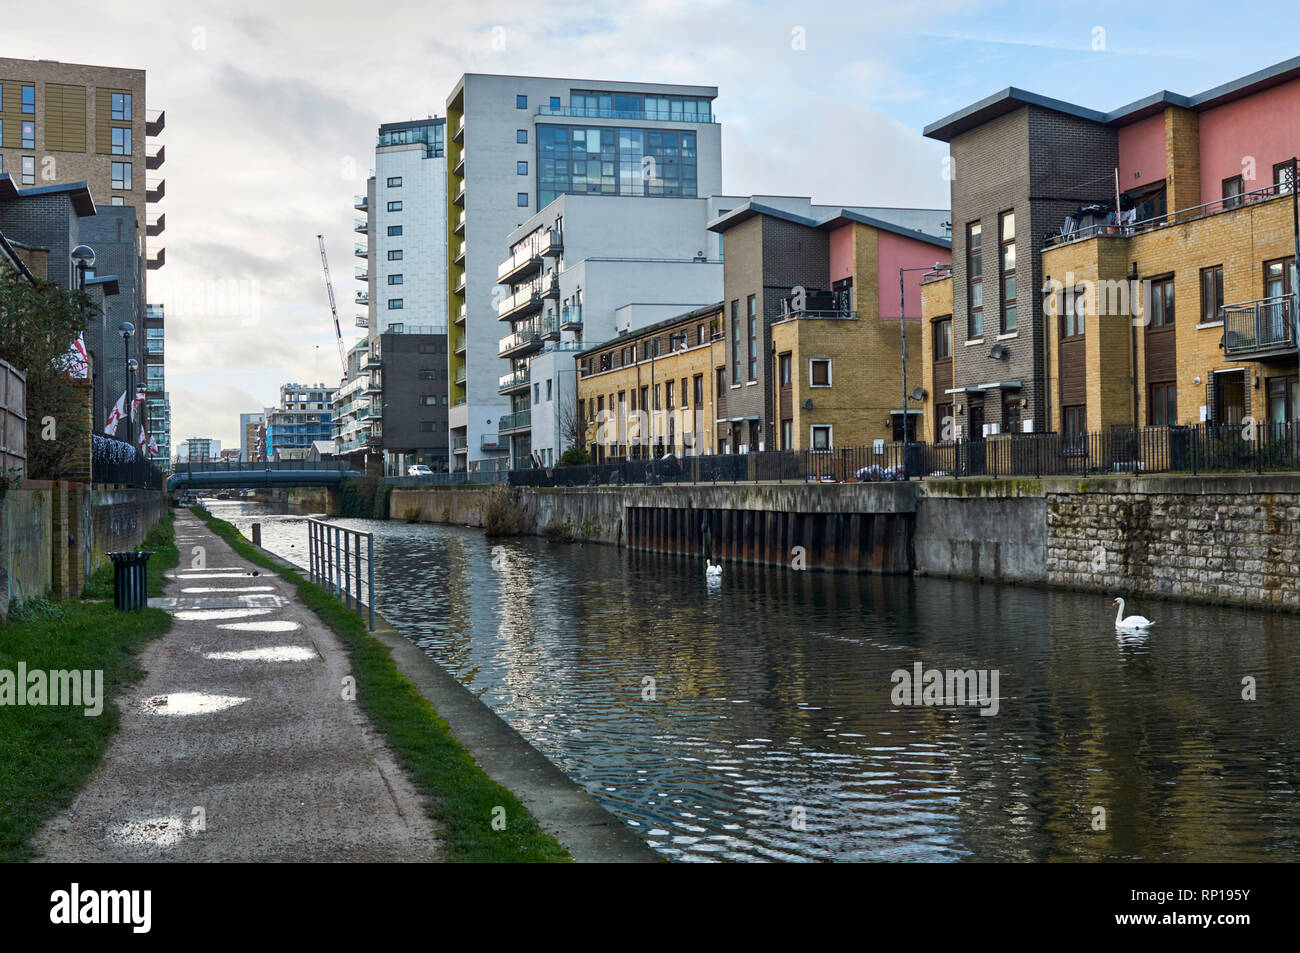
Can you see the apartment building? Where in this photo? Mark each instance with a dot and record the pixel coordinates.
(405, 275)
(413, 362)
(585, 269)
(157, 408)
(808, 289)
(303, 417)
(355, 428)
(651, 391)
(1170, 305)
(252, 436)
(516, 144)
(196, 449)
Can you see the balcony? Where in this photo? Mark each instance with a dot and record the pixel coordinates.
(460, 194)
(643, 115)
(371, 362)
(461, 313)
(361, 226)
(361, 274)
(1101, 222)
(155, 192)
(459, 167)
(491, 441)
(459, 253)
(361, 251)
(157, 226)
(551, 327)
(524, 263)
(551, 285)
(519, 420)
(153, 264)
(514, 381)
(459, 227)
(521, 343)
(459, 379)
(153, 347)
(460, 284)
(1260, 328)
(571, 319)
(363, 297)
(459, 443)
(527, 300)
(368, 413)
(459, 345)
(361, 203)
(459, 134)
(362, 321)
(155, 122)
(156, 159)
(553, 243)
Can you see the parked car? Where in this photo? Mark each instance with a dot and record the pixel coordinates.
(418, 469)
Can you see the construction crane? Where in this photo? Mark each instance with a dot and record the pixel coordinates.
(329, 286)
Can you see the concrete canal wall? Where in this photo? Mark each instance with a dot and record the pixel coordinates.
(1224, 539)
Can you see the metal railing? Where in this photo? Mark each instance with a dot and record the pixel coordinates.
(334, 561)
(1258, 325)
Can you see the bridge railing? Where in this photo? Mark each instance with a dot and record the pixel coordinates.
(232, 466)
(335, 557)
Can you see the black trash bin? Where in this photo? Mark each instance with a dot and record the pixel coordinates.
(130, 580)
(1180, 448)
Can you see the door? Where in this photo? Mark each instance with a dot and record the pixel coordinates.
(974, 445)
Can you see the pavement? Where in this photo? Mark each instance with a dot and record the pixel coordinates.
(239, 744)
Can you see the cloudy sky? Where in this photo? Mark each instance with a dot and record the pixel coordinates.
(272, 108)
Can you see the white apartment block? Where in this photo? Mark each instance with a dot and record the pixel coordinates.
(405, 274)
(516, 144)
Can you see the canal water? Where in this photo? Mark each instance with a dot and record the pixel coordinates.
(751, 718)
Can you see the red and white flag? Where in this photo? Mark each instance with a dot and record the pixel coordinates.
(115, 416)
(142, 440)
(136, 404)
(78, 362)
(153, 446)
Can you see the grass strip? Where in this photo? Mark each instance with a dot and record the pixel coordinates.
(48, 752)
(458, 794)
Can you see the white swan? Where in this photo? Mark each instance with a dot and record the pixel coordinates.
(1132, 622)
(713, 569)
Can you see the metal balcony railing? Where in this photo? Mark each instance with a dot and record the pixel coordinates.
(1261, 325)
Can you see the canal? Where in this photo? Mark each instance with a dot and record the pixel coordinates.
(750, 718)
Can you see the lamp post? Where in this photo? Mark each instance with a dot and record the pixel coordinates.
(126, 329)
(936, 268)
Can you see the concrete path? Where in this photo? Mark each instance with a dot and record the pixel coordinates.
(238, 744)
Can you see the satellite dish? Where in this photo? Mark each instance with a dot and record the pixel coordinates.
(997, 352)
(918, 393)
(807, 404)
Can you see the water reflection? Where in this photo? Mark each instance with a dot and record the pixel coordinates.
(771, 702)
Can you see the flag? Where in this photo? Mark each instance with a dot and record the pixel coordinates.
(135, 406)
(78, 363)
(115, 415)
(153, 446)
(142, 440)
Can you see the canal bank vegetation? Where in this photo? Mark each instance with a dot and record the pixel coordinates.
(504, 513)
(365, 498)
(459, 795)
(47, 752)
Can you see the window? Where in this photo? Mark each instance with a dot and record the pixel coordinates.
(1162, 303)
(735, 342)
(698, 384)
(429, 400)
(395, 255)
(29, 135)
(785, 364)
(121, 139)
(1277, 278)
(116, 200)
(1232, 192)
(119, 106)
(521, 199)
(1075, 424)
(395, 279)
(787, 434)
(821, 437)
(395, 304)
(685, 394)
(428, 375)
(521, 167)
(521, 102)
(395, 206)
(1211, 294)
(548, 388)
(1010, 413)
(121, 175)
(1074, 315)
(1163, 407)
(668, 396)
(521, 135)
(555, 102)
(1007, 264)
(394, 230)
(29, 170)
(942, 331)
(942, 422)
(751, 308)
(29, 99)
(394, 181)
(974, 281)
(1282, 176)
(615, 161)
(819, 372)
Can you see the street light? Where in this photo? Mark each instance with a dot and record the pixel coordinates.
(83, 257)
(938, 268)
(126, 329)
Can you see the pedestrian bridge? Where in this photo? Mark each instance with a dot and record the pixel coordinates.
(239, 474)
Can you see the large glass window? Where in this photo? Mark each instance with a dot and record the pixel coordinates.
(121, 141)
(119, 106)
(595, 104)
(607, 161)
(735, 342)
(1007, 263)
(29, 99)
(753, 338)
(121, 175)
(29, 135)
(1211, 294)
(974, 281)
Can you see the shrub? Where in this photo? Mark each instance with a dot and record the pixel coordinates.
(412, 514)
(575, 457)
(556, 532)
(504, 513)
